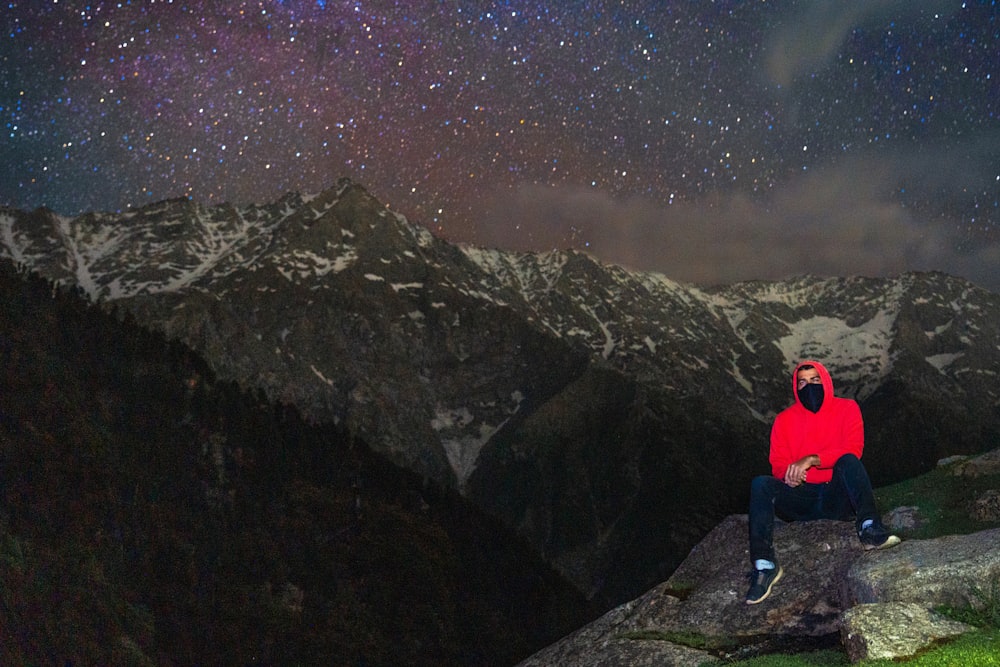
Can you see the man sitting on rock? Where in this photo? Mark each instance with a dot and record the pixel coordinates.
(815, 456)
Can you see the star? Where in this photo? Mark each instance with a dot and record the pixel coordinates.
(709, 141)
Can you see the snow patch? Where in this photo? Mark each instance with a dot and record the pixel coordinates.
(534, 276)
(938, 330)
(303, 264)
(463, 453)
(444, 418)
(738, 375)
(462, 449)
(860, 354)
(11, 244)
(942, 361)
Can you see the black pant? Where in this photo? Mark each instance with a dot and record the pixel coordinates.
(848, 495)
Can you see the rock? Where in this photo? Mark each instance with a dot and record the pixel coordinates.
(987, 506)
(903, 519)
(613, 640)
(948, 460)
(877, 604)
(815, 556)
(892, 630)
(941, 571)
(621, 652)
(977, 466)
(703, 600)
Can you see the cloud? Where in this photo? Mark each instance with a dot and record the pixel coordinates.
(844, 219)
(809, 39)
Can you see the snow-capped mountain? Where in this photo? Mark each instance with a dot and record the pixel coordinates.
(609, 415)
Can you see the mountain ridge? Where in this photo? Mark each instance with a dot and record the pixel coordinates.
(560, 393)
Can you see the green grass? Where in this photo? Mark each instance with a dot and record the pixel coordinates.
(825, 658)
(982, 610)
(979, 649)
(944, 501)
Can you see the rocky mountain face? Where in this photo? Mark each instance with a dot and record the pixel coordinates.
(611, 417)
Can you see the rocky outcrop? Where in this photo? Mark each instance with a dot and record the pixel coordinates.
(977, 466)
(876, 603)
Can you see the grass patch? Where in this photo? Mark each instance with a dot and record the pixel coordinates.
(982, 610)
(822, 650)
(944, 501)
(689, 639)
(980, 648)
(680, 590)
(824, 658)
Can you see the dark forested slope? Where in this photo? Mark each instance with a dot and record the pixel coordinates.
(151, 515)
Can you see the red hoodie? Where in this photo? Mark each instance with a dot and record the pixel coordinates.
(836, 429)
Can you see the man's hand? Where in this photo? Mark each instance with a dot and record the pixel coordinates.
(795, 474)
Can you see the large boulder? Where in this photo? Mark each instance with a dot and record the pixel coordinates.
(699, 613)
(713, 582)
(887, 630)
(954, 570)
(619, 639)
(876, 604)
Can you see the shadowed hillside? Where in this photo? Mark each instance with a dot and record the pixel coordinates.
(151, 515)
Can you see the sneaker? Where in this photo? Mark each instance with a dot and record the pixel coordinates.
(876, 536)
(761, 582)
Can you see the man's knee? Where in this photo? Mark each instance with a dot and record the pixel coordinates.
(847, 460)
(763, 485)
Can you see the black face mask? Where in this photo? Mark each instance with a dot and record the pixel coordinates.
(811, 396)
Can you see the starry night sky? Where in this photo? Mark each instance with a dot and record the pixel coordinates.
(711, 141)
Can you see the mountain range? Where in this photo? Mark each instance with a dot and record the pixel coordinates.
(611, 417)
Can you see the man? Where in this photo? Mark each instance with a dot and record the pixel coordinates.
(815, 457)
